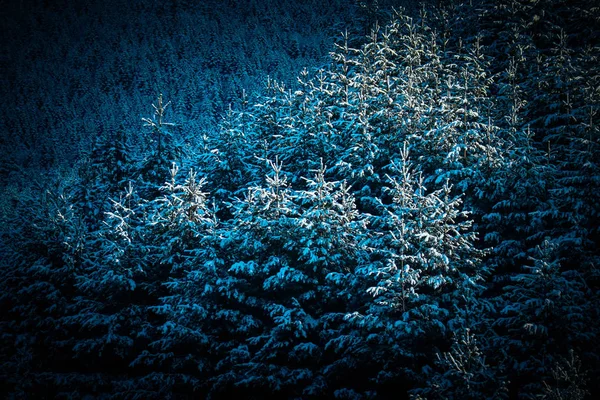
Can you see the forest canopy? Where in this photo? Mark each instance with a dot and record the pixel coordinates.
(413, 216)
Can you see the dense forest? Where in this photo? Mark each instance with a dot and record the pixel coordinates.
(300, 200)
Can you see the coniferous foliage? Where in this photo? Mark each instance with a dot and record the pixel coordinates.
(417, 218)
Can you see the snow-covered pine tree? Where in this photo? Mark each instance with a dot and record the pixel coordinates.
(570, 379)
(181, 226)
(102, 175)
(111, 316)
(294, 251)
(307, 134)
(230, 157)
(546, 314)
(161, 148)
(458, 142)
(512, 222)
(45, 251)
(427, 269)
(258, 246)
(330, 241)
(463, 372)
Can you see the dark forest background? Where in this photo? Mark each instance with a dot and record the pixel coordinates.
(300, 199)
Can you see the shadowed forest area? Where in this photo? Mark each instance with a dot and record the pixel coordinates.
(300, 199)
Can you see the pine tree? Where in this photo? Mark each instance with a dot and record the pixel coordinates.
(546, 313)
(427, 266)
(330, 247)
(162, 149)
(38, 294)
(182, 227)
(257, 248)
(102, 175)
(463, 372)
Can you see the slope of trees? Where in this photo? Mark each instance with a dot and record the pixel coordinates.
(97, 65)
(417, 219)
